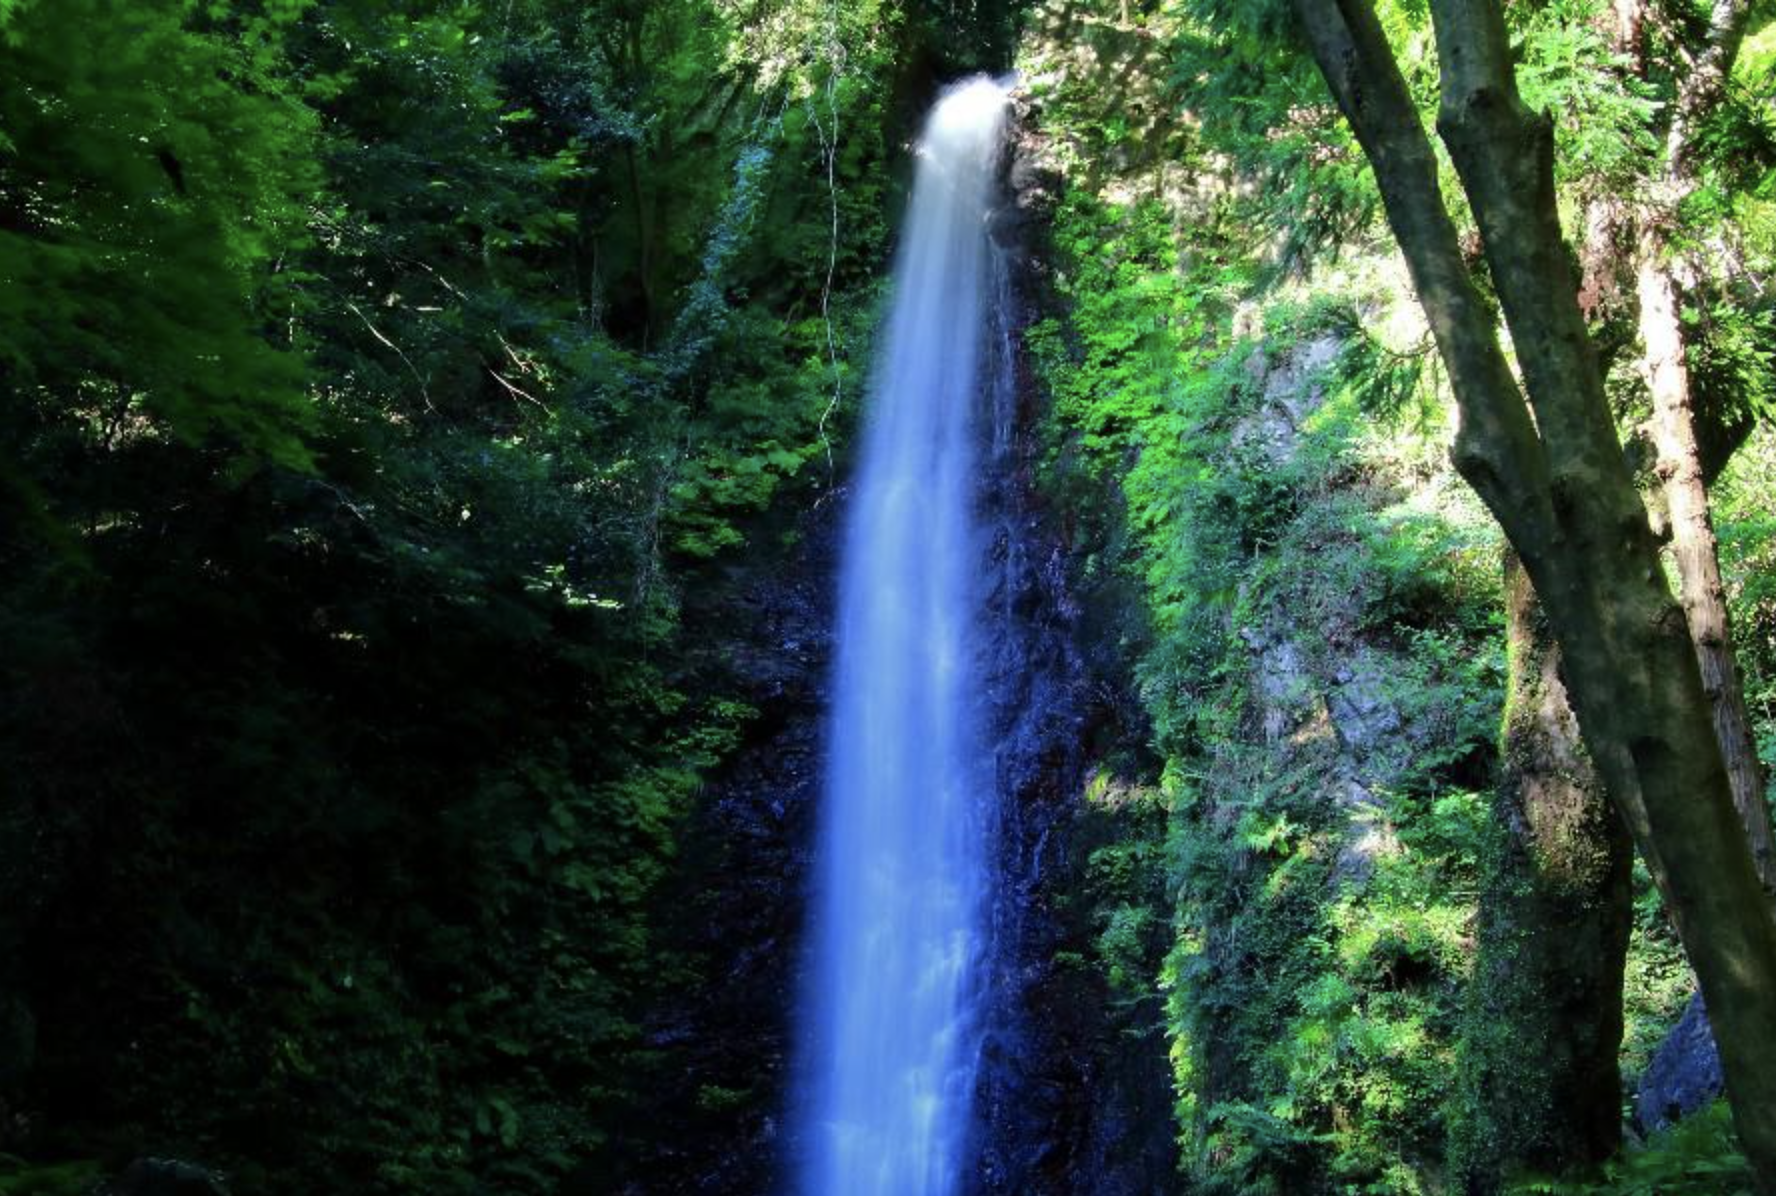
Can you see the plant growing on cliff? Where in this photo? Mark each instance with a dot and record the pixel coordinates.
(1564, 496)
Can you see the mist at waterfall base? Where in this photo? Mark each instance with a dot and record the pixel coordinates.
(893, 1020)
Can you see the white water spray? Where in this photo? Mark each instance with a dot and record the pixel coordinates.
(904, 853)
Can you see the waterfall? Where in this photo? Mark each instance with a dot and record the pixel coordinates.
(894, 1013)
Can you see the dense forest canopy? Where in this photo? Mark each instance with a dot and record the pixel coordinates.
(418, 416)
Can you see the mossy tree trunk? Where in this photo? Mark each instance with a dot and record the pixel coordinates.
(1540, 1080)
(1550, 467)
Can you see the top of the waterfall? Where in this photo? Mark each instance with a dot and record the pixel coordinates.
(969, 110)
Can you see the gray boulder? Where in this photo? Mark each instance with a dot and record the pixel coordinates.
(1684, 1075)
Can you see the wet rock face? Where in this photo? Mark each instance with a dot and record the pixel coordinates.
(1063, 1106)
(719, 1123)
(1684, 1075)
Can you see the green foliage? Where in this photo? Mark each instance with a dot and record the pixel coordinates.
(389, 392)
(1737, 145)
(1733, 359)
(154, 169)
(1240, 66)
(1313, 1017)
(1258, 1153)
(1279, 501)
(1390, 386)
(1602, 113)
(386, 390)
(1658, 983)
(1229, 368)
(1699, 1156)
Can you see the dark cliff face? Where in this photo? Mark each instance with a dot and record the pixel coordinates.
(1068, 1105)
(719, 1123)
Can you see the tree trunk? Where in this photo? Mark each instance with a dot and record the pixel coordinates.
(644, 237)
(1544, 1019)
(1681, 470)
(1682, 465)
(1637, 241)
(1560, 487)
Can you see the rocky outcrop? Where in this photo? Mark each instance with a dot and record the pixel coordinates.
(1330, 703)
(1684, 1074)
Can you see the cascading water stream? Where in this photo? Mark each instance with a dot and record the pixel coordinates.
(895, 1010)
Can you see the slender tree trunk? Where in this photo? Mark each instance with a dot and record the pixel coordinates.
(644, 237)
(1558, 483)
(1625, 239)
(1693, 545)
(1682, 467)
(1544, 1020)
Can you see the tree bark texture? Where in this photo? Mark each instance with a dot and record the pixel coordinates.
(1631, 269)
(1693, 546)
(1682, 465)
(1540, 1073)
(1559, 485)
